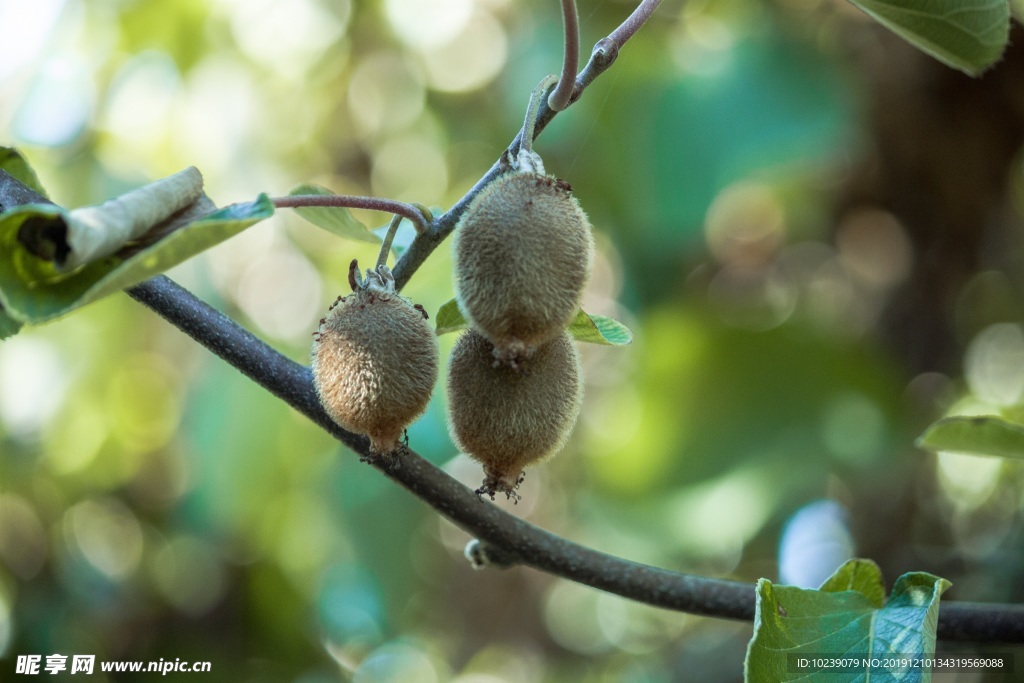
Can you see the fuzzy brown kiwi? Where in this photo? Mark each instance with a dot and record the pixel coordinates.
(507, 418)
(523, 253)
(375, 360)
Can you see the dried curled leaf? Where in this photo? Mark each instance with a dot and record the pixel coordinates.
(71, 239)
(35, 289)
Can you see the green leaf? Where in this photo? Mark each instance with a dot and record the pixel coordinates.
(845, 619)
(12, 162)
(337, 220)
(597, 329)
(969, 35)
(33, 290)
(449, 318)
(592, 329)
(977, 435)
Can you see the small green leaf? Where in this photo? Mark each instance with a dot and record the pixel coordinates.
(969, 35)
(12, 162)
(597, 329)
(337, 220)
(592, 329)
(976, 435)
(449, 318)
(32, 290)
(845, 619)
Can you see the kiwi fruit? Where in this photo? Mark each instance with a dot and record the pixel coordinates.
(509, 417)
(523, 253)
(374, 360)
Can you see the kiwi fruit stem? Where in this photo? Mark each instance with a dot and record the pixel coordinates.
(527, 160)
(385, 247)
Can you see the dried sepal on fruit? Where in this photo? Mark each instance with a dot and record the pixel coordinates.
(508, 418)
(375, 360)
(523, 252)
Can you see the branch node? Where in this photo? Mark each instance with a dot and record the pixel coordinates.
(482, 555)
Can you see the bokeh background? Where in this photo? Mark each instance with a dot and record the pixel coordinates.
(814, 231)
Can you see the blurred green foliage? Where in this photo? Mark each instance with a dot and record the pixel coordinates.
(154, 503)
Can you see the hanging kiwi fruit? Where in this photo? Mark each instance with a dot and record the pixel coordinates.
(509, 417)
(523, 252)
(375, 357)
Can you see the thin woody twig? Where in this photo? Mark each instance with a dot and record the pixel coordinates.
(602, 57)
(633, 22)
(606, 50)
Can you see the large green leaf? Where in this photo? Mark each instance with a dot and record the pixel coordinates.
(844, 620)
(33, 290)
(592, 329)
(335, 219)
(969, 35)
(977, 435)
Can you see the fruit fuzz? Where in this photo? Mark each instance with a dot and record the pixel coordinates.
(523, 253)
(374, 360)
(507, 418)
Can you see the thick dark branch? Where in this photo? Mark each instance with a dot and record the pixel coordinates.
(515, 540)
(512, 539)
(291, 381)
